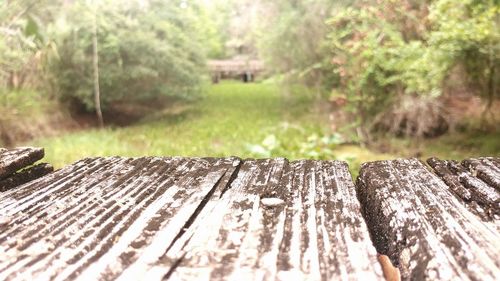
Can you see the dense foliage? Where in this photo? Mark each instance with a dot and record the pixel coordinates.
(21, 42)
(393, 58)
(146, 49)
(469, 32)
(143, 52)
(291, 39)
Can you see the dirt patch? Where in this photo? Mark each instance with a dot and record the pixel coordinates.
(414, 116)
(123, 113)
(467, 111)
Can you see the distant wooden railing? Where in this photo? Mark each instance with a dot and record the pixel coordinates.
(246, 69)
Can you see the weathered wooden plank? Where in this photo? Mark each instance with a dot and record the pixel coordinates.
(479, 197)
(426, 232)
(52, 209)
(24, 176)
(12, 160)
(279, 220)
(485, 168)
(452, 180)
(94, 218)
(231, 217)
(190, 194)
(36, 190)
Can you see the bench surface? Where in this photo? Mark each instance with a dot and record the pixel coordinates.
(226, 218)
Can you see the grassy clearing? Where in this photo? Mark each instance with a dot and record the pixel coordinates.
(250, 120)
(228, 120)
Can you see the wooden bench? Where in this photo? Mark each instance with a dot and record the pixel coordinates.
(268, 219)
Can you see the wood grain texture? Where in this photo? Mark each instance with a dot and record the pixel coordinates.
(480, 198)
(280, 221)
(485, 168)
(12, 160)
(425, 230)
(186, 218)
(94, 218)
(157, 218)
(26, 175)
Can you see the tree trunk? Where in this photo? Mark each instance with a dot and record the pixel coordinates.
(97, 98)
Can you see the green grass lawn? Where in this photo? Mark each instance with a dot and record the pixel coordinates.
(248, 120)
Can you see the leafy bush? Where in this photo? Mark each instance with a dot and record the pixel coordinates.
(387, 53)
(376, 64)
(20, 42)
(315, 146)
(290, 38)
(469, 32)
(144, 52)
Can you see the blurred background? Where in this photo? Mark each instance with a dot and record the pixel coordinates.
(355, 80)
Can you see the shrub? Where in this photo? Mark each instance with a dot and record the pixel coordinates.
(144, 52)
(387, 53)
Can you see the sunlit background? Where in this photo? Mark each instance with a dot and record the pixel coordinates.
(354, 80)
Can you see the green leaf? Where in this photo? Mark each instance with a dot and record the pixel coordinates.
(32, 29)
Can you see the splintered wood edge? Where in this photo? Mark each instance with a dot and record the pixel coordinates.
(485, 168)
(473, 183)
(15, 159)
(26, 175)
(391, 273)
(389, 244)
